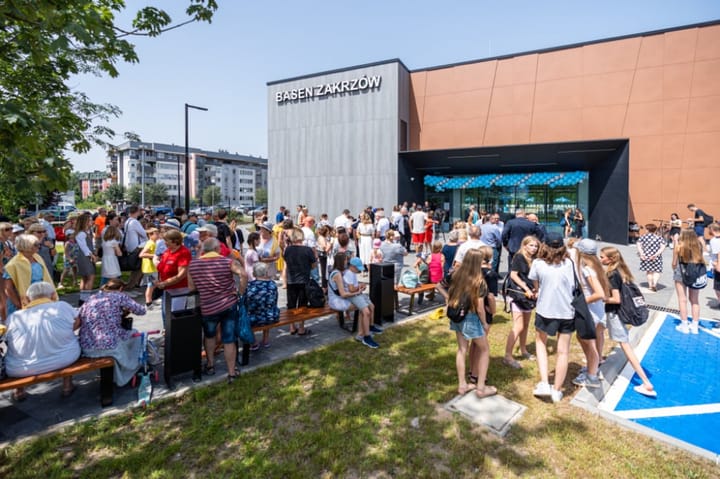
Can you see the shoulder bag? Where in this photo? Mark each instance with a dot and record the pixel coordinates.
(584, 323)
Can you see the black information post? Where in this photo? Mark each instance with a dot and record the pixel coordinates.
(382, 291)
(183, 334)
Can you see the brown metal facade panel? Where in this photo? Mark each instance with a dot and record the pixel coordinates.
(661, 91)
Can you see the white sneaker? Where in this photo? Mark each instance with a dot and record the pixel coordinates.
(542, 390)
(683, 327)
(556, 395)
(693, 328)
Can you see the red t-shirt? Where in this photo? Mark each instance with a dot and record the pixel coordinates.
(171, 262)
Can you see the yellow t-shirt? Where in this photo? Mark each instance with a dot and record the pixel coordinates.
(148, 267)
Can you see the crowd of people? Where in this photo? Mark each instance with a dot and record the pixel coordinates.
(208, 253)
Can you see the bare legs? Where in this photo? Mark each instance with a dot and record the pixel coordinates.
(479, 361)
(229, 350)
(683, 297)
(519, 330)
(561, 363)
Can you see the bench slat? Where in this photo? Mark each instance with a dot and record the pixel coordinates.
(82, 365)
(289, 316)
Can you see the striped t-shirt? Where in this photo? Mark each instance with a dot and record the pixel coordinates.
(215, 282)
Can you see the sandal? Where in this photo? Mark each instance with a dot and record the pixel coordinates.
(266, 345)
(293, 331)
(255, 347)
(232, 377)
(487, 391)
(528, 356)
(462, 390)
(307, 332)
(511, 363)
(472, 379)
(209, 370)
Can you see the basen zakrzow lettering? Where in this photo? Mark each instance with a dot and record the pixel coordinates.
(329, 89)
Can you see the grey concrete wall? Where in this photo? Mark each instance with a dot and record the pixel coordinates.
(336, 151)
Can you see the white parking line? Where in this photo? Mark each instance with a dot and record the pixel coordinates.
(669, 411)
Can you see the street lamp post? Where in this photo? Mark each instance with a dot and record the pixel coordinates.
(187, 160)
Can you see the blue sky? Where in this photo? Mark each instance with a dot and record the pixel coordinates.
(224, 66)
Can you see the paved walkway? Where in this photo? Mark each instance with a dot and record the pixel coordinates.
(45, 411)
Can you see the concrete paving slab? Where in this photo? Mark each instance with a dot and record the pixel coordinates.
(496, 413)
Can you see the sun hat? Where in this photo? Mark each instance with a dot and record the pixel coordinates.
(267, 226)
(172, 223)
(554, 240)
(376, 243)
(357, 262)
(17, 228)
(209, 228)
(586, 246)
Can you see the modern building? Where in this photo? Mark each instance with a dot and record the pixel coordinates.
(92, 182)
(626, 129)
(237, 176)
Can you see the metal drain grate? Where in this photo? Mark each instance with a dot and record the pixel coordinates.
(655, 307)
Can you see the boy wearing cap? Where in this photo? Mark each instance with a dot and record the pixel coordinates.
(361, 301)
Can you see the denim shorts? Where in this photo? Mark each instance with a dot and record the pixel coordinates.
(229, 321)
(470, 328)
(361, 301)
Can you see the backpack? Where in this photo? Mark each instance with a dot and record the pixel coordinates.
(409, 279)
(633, 310)
(694, 275)
(563, 221)
(457, 313)
(513, 291)
(314, 294)
(708, 219)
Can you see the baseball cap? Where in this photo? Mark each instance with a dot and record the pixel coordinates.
(586, 246)
(554, 240)
(357, 262)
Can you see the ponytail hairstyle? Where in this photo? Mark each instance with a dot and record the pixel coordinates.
(617, 263)
(468, 281)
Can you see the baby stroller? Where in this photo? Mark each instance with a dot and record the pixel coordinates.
(149, 357)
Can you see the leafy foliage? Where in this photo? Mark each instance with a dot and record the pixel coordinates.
(155, 194)
(115, 193)
(261, 196)
(212, 195)
(43, 43)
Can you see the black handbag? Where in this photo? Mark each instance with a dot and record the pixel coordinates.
(129, 261)
(458, 313)
(584, 323)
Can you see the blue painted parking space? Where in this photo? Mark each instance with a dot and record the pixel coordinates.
(684, 368)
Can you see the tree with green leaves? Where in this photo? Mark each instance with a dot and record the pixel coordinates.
(212, 195)
(261, 196)
(115, 193)
(155, 194)
(43, 43)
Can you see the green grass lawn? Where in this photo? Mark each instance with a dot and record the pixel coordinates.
(348, 411)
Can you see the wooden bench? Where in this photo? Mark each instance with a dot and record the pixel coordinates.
(289, 316)
(421, 289)
(82, 365)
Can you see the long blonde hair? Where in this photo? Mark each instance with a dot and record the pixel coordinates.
(617, 263)
(592, 261)
(468, 280)
(689, 249)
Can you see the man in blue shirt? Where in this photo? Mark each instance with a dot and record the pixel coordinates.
(492, 236)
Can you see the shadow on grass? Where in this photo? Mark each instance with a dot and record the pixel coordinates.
(343, 410)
